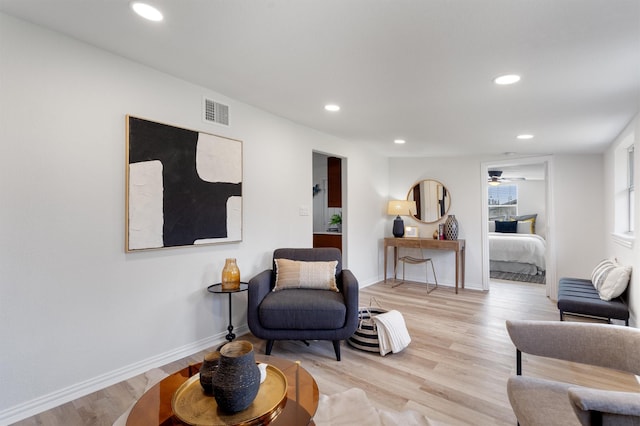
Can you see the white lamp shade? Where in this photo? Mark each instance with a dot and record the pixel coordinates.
(401, 208)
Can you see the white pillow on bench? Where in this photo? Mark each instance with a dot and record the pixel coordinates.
(610, 279)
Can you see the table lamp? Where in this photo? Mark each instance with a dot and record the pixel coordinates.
(400, 208)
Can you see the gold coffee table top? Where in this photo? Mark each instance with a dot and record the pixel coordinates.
(154, 407)
(193, 406)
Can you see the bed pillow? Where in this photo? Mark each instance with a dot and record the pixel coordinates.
(507, 226)
(528, 218)
(610, 279)
(298, 274)
(525, 227)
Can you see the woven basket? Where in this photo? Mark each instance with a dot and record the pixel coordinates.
(366, 336)
(237, 378)
(208, 370)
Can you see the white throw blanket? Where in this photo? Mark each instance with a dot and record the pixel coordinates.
(392, 332)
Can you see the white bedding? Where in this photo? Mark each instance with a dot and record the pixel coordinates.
(522, 248)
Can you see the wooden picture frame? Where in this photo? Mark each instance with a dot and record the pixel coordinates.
(411, 231)
(183, 187)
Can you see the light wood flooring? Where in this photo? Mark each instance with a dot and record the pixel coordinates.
(454, 371)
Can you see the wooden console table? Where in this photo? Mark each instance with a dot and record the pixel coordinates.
(457, 246)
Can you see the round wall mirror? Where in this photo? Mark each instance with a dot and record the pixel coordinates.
(432, 200)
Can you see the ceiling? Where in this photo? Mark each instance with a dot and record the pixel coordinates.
(416, 70)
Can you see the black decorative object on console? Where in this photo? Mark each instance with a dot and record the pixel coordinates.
(398, 227)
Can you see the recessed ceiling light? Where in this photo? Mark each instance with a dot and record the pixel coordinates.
(332, 107)
(399, 141)
(507, 79)
(523, 137)
(147, 11)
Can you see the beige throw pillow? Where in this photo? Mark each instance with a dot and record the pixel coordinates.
(616, 283)
(600, 272)
(610, 279)
(297, 274)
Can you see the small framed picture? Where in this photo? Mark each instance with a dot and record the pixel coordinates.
(410, 231)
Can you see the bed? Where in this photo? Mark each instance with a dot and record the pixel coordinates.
(520, 253)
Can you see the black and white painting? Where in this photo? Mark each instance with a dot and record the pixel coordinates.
(183, 187)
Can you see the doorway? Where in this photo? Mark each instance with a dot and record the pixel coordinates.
(533, 176)
(329, 194)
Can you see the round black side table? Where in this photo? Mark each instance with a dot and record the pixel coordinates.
(217, 288)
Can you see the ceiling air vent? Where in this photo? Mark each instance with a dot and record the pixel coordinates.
(215, 112)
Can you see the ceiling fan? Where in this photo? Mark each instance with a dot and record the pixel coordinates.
(495, 178)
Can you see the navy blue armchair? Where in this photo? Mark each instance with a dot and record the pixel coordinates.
(303, 313)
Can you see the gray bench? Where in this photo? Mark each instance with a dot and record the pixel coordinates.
(579, 297)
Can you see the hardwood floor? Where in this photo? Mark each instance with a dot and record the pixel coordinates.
(454, 371)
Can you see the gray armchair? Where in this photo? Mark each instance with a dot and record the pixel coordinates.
(303, 314)
(538, 401)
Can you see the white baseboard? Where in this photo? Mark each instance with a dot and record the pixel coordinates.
(64, 395)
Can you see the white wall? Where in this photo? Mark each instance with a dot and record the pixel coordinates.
(531, 200)
(577, 191)
(579, 223)
(76, 312)
(627, 251)
(320, 216)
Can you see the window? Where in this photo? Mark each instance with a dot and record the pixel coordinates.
(624, 191)
(630, 189)
(503, 202)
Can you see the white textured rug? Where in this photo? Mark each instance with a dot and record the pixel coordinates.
(352, 407)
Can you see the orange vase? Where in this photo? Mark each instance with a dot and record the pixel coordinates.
(230, 275)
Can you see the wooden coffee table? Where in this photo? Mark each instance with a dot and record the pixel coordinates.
(154, 407)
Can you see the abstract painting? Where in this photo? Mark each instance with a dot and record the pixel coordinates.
(183, 187)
